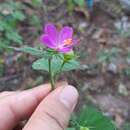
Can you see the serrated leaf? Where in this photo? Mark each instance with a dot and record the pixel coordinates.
(94, 120)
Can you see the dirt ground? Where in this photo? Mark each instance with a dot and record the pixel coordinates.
(98, 84)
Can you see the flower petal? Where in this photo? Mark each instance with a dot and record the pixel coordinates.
(65, 33)
(45, 39)
(51, 31)
(75, 41)
(65, 49)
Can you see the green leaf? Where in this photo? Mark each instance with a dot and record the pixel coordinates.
(32, 51)
(84, 128)
(71, 65)
(37, 3)
(70, 129)
(94, 120)
(71, 5)
(56, 63)
(36, 22)
(4, 43)
(18, 15)
(2, 69)
(4, 25)
(14, 36)
(79, 2)
(42, 64)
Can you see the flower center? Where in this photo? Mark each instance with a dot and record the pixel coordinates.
(68, 41)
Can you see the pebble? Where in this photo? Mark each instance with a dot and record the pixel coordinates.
(112, 68)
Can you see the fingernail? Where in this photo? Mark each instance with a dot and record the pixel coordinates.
(69, 96)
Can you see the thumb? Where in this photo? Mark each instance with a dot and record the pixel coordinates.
(53, 113)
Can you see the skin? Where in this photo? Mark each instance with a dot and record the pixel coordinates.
(45, 110)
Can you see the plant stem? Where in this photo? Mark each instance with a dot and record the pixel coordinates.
(56, 76)
(51, 76)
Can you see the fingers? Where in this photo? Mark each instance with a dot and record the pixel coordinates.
(6, 93)
(20, 105)
(54, 111)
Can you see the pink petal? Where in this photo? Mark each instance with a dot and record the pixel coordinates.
(51, 31)
(65, 50)
(45, 39)
(65, 33)
(75, 41)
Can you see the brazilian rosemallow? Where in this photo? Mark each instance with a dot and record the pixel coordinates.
(60, 41)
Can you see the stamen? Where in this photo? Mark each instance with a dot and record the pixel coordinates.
(68, 41)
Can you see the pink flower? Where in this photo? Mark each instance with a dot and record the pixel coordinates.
(61, 41)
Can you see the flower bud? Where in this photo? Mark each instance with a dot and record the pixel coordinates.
(69, 56)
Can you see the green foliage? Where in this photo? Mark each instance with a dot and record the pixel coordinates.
(35, 21)
(84, 128)
(42, 64)
(79, 2)
(73, 3)
(1, 68)
(91, 119)
(70, 129)
(59, 62)
(106, 56)
(37, 3)
(33, 51)
(11, 13)
(126, 126)
(13, 36)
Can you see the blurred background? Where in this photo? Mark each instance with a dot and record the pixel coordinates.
(103, 27)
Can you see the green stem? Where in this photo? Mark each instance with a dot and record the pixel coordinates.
(51, 76)
(56, 75)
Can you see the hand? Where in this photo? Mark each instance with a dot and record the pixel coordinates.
(46, 110)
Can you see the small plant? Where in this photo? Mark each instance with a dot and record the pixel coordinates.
(58, 55)
(90, 118)
(10, 15)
